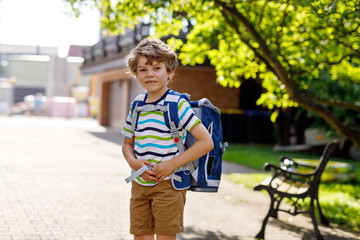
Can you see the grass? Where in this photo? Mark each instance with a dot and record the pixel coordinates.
(340, 202)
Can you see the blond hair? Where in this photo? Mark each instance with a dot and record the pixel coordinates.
(154, 50)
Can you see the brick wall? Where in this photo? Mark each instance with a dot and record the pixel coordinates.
(200, 82)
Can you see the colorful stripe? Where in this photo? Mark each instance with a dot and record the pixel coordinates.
(196, 122)
(157, 154)
(152, 129)
(184, 113)
(154, 145)
(153, 137)
(148, 113)
(151, 121)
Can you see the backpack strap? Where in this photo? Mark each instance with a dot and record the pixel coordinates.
(137, 103)
(137, 173)
(140, 171)
(172, 121)
(138, 106)
(172, 117)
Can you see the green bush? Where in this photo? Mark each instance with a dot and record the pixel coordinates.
(340, 204)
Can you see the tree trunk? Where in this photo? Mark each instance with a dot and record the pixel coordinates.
(346, 131)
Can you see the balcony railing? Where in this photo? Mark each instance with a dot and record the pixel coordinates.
(115, 46)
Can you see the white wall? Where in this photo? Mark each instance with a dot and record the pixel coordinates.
(29, 72)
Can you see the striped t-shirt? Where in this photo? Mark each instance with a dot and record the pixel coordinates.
(153, 141)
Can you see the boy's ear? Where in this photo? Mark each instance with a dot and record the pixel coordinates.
(171, 75)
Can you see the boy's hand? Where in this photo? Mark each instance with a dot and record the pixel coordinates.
(163, 169)
(135, 164)
(148, 175)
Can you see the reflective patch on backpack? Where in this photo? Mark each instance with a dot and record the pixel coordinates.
(185, 180)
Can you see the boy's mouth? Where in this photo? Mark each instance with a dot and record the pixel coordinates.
(150, 82)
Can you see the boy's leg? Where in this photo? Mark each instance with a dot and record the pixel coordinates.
(144, 237)
(167, 209)
(166, 237)
(141, 219)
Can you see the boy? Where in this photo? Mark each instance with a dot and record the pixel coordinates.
(155, 206)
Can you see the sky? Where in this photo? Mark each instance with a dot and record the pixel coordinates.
(44, 23)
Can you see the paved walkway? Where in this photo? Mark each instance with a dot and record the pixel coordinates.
(63, 179)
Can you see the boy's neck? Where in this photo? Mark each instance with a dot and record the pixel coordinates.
(153, 97)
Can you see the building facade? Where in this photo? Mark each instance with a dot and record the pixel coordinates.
(37, 70)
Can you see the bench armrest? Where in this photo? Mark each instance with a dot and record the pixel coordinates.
(282, 172)
(288, 162)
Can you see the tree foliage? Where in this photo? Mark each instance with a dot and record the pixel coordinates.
(306, 52)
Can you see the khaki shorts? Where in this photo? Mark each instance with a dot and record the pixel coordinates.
(156, 210)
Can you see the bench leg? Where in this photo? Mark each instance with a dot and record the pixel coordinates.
(261, 234)
(274, 213)
(313, 218)
(323, 219)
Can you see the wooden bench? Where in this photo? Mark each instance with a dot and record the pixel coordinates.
(296, 187)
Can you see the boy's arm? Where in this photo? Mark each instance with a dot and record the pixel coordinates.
(202, 146)
(135, 164)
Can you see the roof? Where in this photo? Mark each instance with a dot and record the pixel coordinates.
(76, 51)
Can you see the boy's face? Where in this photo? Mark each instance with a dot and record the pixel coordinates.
(152, 77)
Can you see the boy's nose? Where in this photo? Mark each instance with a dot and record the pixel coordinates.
(150, 73)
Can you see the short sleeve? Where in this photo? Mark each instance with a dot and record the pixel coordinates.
(187, 117)
(127, 129)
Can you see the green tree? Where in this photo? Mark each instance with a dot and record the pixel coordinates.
(306, 52)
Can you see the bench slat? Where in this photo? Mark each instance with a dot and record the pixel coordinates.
(286, 185)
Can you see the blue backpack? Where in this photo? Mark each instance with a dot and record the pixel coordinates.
(202, 175)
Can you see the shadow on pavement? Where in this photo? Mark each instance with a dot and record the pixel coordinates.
(198, 234)
(306, 233)
(110, 135)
